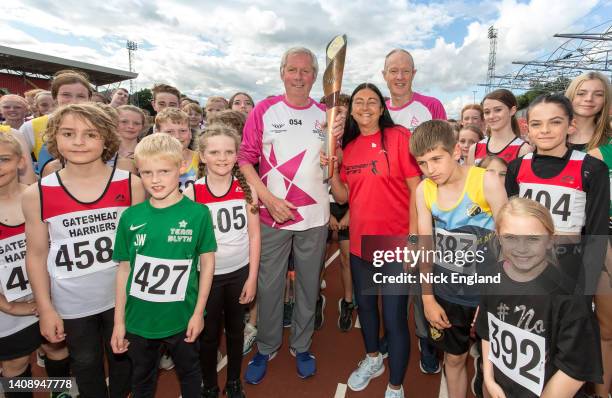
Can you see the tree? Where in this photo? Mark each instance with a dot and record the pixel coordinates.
(142, 99)
(555, 86)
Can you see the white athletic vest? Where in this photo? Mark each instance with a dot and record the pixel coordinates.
(14, 283)
(82, 236)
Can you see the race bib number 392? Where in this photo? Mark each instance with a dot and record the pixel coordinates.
(160, 280)
(518, 354)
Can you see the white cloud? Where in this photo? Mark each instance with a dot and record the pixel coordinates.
(210, 48)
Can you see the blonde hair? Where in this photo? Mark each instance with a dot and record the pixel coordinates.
(215, 130)
(64, 77)
(518, 206)
(41, 94)
(229, 117)
(11, 141)
(14, 97)
(492, 158)
(430, 135)
(210, 100)
(99, 117)
(159, 146)
(192, 106)
(602, 127)
(172, 115)
(135, 109)
(32, 93)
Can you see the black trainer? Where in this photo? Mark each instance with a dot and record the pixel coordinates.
(233, 389)
(210, 392)
(319, 317)
(345, 317)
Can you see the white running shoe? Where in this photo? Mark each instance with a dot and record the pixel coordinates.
(391, 393)
(250, 334)
(166, 362)
(40, 358)
(368, 368)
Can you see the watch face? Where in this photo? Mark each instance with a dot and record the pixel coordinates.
(413, 239)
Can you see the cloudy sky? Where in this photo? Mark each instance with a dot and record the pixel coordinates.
(212, 48)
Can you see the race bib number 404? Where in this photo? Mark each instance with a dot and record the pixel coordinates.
(518, 354)
(160, 280)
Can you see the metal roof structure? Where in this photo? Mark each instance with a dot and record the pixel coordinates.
(17, 61)
(583, 52)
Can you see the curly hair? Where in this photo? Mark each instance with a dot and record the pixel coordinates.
(102, 120)
(229, 117)
(215, 130)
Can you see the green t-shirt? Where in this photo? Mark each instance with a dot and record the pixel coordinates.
(163, 248)
(606, 154)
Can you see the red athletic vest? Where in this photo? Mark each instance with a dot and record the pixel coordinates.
(509, 153)
(562, 194)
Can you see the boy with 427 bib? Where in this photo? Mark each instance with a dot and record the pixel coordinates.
(161, 294)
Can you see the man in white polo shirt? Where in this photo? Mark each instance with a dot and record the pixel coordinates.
(284, 134)
(410, 109)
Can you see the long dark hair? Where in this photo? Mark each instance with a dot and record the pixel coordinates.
(507, 98)
(351, 128)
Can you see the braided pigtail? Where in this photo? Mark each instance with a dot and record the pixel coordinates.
(246, 188)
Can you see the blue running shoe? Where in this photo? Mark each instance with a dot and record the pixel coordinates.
(256, 369)
(429, 363)
(306, 364)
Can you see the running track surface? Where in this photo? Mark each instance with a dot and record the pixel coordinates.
(337, 356)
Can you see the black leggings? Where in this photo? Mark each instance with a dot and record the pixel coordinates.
(88, 338)
(223, 299)
(395, 313)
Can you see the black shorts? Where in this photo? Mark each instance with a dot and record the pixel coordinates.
(338, 211)
(456, 339)
(20, 344)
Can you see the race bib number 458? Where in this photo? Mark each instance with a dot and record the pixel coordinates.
(518, 354)
(160, 280)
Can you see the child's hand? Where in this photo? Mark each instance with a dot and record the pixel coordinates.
(333, 223)
(344, 221)
(194, 328)
(435, 314)
(52, 326)
(495, 390)
(118, 342)
(248, 291)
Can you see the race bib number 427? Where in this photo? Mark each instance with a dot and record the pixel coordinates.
(518, 354)
(160, 280)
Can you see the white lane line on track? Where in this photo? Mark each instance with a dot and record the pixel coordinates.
(222, 363)
(332, 258)
(340, 391)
